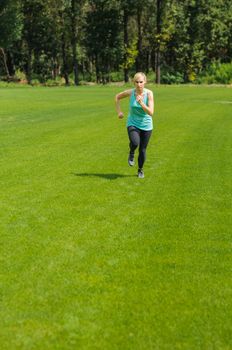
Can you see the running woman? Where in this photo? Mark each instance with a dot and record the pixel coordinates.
(139, 122)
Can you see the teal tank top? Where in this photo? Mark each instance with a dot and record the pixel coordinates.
(137, 117)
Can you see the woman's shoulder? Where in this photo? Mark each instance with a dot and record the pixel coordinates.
(128, 92)
(124, 93)
(131, 92)
(149, 92)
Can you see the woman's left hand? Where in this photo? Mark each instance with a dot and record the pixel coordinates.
(139, 99)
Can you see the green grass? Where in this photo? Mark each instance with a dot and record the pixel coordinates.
(93, 257)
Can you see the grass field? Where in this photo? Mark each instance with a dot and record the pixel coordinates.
(93, 257)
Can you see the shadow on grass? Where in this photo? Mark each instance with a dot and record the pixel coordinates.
(104, 176)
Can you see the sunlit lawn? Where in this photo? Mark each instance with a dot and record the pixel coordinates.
(93, 257)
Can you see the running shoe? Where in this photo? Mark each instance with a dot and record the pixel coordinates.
(140, 174)
(131, 161)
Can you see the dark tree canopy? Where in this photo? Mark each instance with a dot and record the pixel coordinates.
(105, 40)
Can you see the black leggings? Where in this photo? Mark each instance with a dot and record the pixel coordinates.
(139, 138)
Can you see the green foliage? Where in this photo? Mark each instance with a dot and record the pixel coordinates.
(116, 76)
(215, 28)
(20, 75)
(10, 22)
(5, 84)
(35, 82)
(96, 37)
(55, 82)
(102, 36)
(171, 77)
(217, 73)
(131, 55)
(42, 68)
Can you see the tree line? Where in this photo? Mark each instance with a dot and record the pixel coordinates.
(105, 40)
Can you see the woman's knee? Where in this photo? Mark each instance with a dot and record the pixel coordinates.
(133, 136)
(142, 149)
(134, 142)
(142, 153)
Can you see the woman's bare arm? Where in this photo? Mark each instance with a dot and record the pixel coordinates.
(118, 97)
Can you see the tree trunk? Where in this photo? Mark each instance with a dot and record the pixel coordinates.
(158, 31)
(5, 63)
(97, 69)
(29, 66)
(10, 63)
(158, 67)
(139, 43)
(147, 62)
(65, 63)
(125, 28)
(74, 40)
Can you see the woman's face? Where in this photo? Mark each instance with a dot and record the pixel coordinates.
(139, 82)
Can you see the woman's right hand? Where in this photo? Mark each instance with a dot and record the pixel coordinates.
(120, 115)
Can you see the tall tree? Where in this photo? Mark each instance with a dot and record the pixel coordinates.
(75, 10)
(158, 33)
(10, 29)
(139, 7)
(61, 37)
(215, 29)
(35, 34)
(102, 36)
(127, 11)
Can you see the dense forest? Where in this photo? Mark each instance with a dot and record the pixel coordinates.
(76, 41)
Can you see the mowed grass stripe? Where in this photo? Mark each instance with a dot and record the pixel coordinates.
(94, 258)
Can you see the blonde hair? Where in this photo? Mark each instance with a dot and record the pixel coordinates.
(140, 74)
